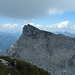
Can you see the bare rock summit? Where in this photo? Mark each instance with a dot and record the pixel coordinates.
(54, 53)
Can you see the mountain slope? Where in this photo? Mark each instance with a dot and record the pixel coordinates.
(55, 53)
(26, 68)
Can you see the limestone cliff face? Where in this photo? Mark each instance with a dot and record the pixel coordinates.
(54, 53)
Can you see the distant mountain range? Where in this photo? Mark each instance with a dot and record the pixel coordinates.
(52, 52)
(66, 33)
(6, 40)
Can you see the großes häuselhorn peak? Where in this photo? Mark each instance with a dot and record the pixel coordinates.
(54, 53)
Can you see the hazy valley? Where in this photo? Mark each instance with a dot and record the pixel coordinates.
(7, 40)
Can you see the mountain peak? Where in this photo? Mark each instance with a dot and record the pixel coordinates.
(29, 30)
(55, 53)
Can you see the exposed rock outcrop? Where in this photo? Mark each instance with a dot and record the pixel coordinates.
(54, 53)
(8, 66)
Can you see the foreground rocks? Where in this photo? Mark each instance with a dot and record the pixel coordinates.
(21, 67)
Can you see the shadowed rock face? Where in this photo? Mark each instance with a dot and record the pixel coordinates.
(54, 53)
(30, 31)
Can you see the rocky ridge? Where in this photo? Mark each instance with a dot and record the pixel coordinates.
(54, 53)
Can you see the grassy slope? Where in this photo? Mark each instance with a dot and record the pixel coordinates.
(26, 68)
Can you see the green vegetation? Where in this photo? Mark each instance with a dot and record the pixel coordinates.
(26, 68)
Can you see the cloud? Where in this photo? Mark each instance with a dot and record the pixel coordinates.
(55, 11)
(36, 25)
(9, 26)
(30, 9)
(73, 27)
(25, 9)
(64, 24)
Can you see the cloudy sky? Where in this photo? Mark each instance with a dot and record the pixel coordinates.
(50, 15)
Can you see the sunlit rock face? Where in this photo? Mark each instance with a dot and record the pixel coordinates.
(54, 53)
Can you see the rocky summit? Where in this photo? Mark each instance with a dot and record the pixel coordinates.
(54, 53)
